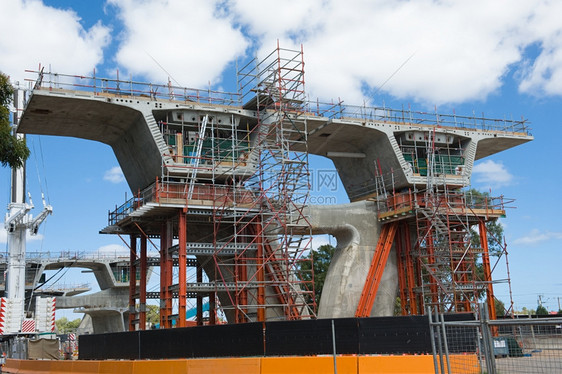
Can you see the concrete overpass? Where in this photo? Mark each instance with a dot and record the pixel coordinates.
(362, 142)
(107, 308)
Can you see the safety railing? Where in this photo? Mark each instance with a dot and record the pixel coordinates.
(177, 193)
(339, 110)
(121, 88)
(464, 200)
(247, 86)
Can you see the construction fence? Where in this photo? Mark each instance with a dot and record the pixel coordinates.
(530, 345)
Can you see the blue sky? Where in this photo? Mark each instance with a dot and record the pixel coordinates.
(497, 58)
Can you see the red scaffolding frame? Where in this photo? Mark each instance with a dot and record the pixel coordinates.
(254, 231)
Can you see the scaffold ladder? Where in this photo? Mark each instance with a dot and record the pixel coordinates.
(197, 156)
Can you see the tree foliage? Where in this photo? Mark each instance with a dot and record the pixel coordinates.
(500, 307)
(64, 326)
(493, 227)
(541, 311)
(13, 151)
(152, 314)
(321, 259)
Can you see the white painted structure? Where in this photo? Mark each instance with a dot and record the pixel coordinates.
(18, 221)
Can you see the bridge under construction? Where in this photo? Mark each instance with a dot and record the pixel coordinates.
(221, 185)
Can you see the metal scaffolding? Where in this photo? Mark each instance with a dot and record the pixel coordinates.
(441, 240)
(231, 193)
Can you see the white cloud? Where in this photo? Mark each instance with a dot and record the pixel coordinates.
(459, 50)
(544, 75)
(537, 236)
(112, 250)
(28, 236)
(193, 41)
(114, 175)
(320, 240)
(491, 174)
(456, 50)
(32, 33)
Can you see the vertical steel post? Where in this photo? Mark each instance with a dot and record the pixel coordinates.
(432, 338)
(402, 278)
(142, 285)
(169, 272)
(212, 308)
(334, 347)
(182, 265)
(445, 343)
(260, 277)
(163, 277)
(439, 340)
(487, 269)
(132, 282)
(199, 317)
(487, 340)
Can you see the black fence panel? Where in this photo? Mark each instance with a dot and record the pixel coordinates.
(168, 343)
(394, 335)
(119, 345)
(347, 335)
(310, 337)
(245, 339)
(379, 335)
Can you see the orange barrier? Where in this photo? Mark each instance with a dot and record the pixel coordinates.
(419, 364)
(407, 364)
(308, 365)
(225, 365)
(395, 364)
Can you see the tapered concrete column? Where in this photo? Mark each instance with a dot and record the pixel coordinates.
(356, 229)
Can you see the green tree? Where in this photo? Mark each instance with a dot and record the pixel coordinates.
(397, 306)
(494, 231)
(13, 151)
(541, 311)
(152, 314)
(321, 259)
(494, 228)
(65, 326)
(526, 311)
(500, 308)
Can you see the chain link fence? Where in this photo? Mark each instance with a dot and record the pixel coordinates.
(496, 346)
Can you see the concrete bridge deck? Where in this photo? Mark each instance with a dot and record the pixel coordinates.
(362, 142)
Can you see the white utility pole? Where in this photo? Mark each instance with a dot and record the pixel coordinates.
(18, 220)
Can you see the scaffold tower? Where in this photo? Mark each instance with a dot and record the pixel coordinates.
(229, 205)
(439, 232)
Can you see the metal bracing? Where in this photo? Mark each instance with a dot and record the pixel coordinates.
(378, 263)
(276, 223)
(439, 263)
(233, 196)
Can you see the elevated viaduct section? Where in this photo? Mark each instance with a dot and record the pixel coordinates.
(193, 157)
(108, 307)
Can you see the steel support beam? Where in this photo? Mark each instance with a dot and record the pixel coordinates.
(378, 263)
(182, 276)
(132, 283)
(487, 269)
(142, 285)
